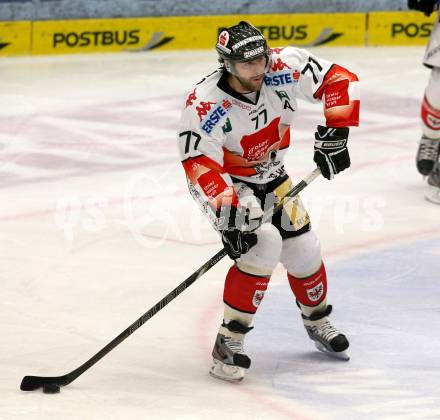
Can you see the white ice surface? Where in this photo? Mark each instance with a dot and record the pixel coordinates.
(96, 226)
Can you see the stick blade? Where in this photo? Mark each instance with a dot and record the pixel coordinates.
(32, 383)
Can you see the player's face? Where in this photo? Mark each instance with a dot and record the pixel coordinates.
(250, 74)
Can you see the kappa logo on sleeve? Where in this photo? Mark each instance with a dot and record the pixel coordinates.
(279, 65)
(191, 98)
(213, 116)
(276, 50)
(204, 108)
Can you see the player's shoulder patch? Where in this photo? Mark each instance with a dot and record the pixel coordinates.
(284, 67)
(207, 103)
(204, 90)
(212, 113)
(286, 56)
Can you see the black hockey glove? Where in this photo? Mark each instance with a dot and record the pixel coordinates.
(425, 6)
(235, 240)
(331, 153)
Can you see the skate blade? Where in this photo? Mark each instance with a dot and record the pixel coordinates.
(433, 195)
(226, 372)
(340, 355)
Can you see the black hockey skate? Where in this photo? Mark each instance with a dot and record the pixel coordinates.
(427, 155)
(229, 360)
(433, 194)
(325, 336)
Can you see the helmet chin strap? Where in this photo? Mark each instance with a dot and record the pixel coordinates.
(230, 67)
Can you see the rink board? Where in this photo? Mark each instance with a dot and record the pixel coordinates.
(15, 38)
(199, 32)
(399, 28)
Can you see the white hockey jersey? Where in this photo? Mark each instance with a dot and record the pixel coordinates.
(223, 133)
(432, 53)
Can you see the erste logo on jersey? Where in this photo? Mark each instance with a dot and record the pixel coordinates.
(281, 73)
(213, 116)
(282, 78)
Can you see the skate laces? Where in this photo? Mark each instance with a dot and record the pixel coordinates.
(326, 330)
(236, 346)
(428, 149)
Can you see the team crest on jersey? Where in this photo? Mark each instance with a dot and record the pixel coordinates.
(227, 127)
(258, 297)
(213, 116)
(315, 293)
(285, 99)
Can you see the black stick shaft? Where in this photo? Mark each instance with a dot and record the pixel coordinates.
(30, 383)
(147, 315)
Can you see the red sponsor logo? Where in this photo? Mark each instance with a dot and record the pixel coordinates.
(223, 38)
(256, 145)
(279, 65)
(191, 98)
(337, 94)
(226, 104)
(296, 74)
(204, 108)
(276, 50)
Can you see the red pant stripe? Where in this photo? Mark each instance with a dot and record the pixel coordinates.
(312, 290)
(243, 291)
(430, 115)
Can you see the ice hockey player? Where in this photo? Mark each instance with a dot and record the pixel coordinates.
(427, 158)
(234, 134)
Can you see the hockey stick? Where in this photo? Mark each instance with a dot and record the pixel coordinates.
(31, 383)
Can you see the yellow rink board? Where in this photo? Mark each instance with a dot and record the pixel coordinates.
(194, 32)
(15, 38)
(399, 28)
(200, 32)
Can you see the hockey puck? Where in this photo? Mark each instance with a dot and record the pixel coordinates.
(51, 388)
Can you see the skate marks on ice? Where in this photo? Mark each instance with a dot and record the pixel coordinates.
(387, 303)
(88, 140)
(373, 393)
